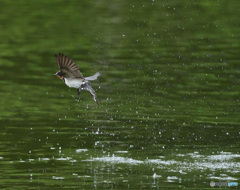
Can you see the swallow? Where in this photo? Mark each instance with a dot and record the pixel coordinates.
(70, 74)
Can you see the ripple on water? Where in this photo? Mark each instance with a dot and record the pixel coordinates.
(186, 163)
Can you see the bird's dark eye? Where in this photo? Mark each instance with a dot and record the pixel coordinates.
(59, 73)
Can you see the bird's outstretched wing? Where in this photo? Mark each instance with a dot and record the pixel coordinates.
(68, 67)
(87, 86)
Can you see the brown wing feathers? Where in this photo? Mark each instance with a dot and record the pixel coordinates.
(68, 67)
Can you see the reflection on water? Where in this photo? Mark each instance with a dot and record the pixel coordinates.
(169, 95)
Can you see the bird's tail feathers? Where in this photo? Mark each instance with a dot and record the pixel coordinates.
(94, 77)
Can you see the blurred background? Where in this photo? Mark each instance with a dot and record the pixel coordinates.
(169, 94)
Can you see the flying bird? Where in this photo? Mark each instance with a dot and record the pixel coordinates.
(69, 72)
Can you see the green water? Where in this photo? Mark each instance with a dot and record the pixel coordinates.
(169, 94)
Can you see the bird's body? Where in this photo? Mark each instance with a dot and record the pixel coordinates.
(70, 74)
(74, 82)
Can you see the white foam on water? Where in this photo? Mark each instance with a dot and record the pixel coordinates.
(121, 151)
(223, 157)
(57, 178)
(81, 150)
(156, 175)
(163, 162)
(117, 160)
(223, 178)
(191, 161)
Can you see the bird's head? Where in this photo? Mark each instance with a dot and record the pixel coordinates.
(59, 75)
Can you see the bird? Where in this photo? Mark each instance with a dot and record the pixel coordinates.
(70, 74)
